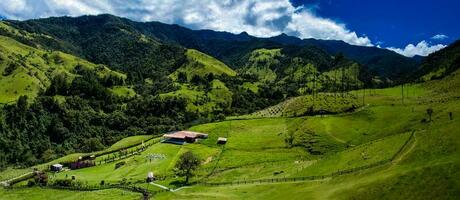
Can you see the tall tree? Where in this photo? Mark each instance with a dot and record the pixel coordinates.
(187, 164)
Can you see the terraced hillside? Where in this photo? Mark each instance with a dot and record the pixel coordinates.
(328, 103)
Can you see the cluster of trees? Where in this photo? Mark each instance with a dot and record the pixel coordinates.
(89, 118)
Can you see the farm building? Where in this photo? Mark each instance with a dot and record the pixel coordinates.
(56, 167)
(221, 140)
(181, 137)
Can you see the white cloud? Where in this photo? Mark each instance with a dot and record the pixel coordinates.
(421, 49)
(439, 37)
(260, 18)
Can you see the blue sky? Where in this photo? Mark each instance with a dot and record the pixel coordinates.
(406, 27)
(393, 22)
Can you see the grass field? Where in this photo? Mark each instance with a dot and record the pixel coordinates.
(426, 168)
(37, 193)
(123, 143)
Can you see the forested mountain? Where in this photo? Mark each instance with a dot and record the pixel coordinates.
(78, 35)
(441, 63)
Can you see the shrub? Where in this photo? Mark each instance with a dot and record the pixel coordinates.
(63, 182)
(10, 69)
(118, 165)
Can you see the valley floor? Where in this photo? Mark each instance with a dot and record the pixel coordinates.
(385, 150)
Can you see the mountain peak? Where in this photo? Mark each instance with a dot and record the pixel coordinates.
(244, 33)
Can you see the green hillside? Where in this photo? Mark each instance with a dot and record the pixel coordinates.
(216, 96)
(28, 71)
(200, 64)
(440, 63)
(408, 149)
(262, 62)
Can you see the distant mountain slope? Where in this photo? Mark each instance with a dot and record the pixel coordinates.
(441, 63)
(229, 47)
(101, 38)
(29, 71)
(201, 64)
(383, 62)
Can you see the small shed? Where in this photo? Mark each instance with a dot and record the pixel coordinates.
(221, 140)
(150, 177)
(56, 167)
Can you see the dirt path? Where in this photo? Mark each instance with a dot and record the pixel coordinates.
(405, 153)
(166, 188)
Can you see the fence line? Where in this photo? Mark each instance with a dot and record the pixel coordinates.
(124, 156)
(311, 178)
(46, 168)
(145, 192)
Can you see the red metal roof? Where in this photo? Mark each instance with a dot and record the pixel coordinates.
(184, 134)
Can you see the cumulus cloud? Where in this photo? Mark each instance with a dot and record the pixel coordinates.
(260, 18)
(422, 49)
(439, 37)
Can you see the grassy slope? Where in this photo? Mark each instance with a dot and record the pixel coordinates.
(428, 169)
(260, 63)
(308, 105)
(201, 64)
(256, 150)
(123, 143)
(199, 100)
(37, 193)
(26, 70)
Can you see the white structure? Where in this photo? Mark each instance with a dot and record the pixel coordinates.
(56, 167)
(150, 177)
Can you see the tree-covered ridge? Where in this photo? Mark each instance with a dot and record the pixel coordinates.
(104, 40)
(441, 63)
(78, 35)
(31, 71)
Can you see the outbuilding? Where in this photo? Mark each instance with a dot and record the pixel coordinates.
(150, 177)
(181, 137)
(221, 140)
(56, 167)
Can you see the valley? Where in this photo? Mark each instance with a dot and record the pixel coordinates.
(88, 105)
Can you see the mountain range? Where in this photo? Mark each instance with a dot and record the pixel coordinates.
(91, 80)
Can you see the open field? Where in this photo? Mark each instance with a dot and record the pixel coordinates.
(426, 167)
(123, 143)
(42, 193)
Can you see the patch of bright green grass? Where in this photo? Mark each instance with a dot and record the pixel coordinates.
(260, 64)
(129, 141)
(123, 91)
(37, 193)
(200, 101)
(251, 86)
(201, 64)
